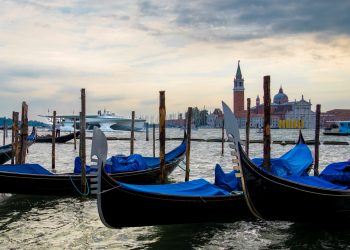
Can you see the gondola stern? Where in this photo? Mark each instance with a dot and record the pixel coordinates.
(99, 151)
(301, 138)
(232, 131)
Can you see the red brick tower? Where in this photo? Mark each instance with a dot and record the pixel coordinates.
(238, 92)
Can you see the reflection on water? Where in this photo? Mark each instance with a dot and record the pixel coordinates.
(31, 222)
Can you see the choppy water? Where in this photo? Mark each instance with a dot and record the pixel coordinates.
(33, 222)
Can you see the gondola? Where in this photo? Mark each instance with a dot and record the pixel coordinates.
(60, 139)
(297, 199)
(187, 202)
(33, 179)
(6, 152)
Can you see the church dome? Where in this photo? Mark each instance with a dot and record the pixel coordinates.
(281, 97)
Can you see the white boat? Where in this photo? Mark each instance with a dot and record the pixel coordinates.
(106, 121)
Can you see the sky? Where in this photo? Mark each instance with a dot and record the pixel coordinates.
(124, 52)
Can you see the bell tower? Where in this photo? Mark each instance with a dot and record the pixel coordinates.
(238, 91)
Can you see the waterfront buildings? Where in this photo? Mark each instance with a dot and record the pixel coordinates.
(284, 113)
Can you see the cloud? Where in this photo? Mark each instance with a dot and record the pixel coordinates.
(124, 52)
(227, 20)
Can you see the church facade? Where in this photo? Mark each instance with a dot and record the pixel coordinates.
(284, 113)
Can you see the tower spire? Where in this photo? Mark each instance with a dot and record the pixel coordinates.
(238, 73)
(238, 91)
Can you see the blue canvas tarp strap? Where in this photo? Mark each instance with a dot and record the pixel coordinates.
(25, 169)
(295, 162)
(199, 187)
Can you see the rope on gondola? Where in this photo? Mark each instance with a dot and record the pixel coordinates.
(8, 156)
(180, 165)
(77, 189)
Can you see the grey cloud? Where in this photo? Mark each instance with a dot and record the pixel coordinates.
(242, 20)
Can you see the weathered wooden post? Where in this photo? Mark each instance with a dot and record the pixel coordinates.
(222, 137)
(14, 137)
(132, 136)
(147, 138)
(162, 114)
(267, 120)
(24, 134)
(4, 135)
(74, 130)
(317, 139)
(83, 141)
(6, 128)
(80, 147)
(154, 140)
(188, 146)
(247, 128)
(53, 143)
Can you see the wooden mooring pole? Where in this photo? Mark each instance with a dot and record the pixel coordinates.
(247, 128)
(147, 132)
(317, 139)
(267, 120)
(6, 128)
(53, 142)
(132, 136)
(14, 137)
(4, 135)
(24, 134)
(75, 136)
(188, 146)
(222, 137)
(154, 140)
(83, 141)
(162, 115)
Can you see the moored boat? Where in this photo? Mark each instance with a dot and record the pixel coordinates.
(196, 201)
(6, 152)
(290, 198)
(59, 139)
(34, 179)
(338, 128)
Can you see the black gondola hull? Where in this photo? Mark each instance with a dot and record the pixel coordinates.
(6, 154)
(275, 198)
(60, 139)
(122, 208)
(70, 184)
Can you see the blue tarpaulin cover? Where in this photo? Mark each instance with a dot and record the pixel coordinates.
(295, 162)
(171, 155)
(134, 162)
(199, 187)
(228, 182)
(315, 181)
(77, 167)
(25, 169)
(338, 172)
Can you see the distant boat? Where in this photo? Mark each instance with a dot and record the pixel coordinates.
(338, 128)
(6, 152)
(106, 121)
(60, 139)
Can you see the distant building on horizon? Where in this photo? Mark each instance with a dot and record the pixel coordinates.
(284, 114)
